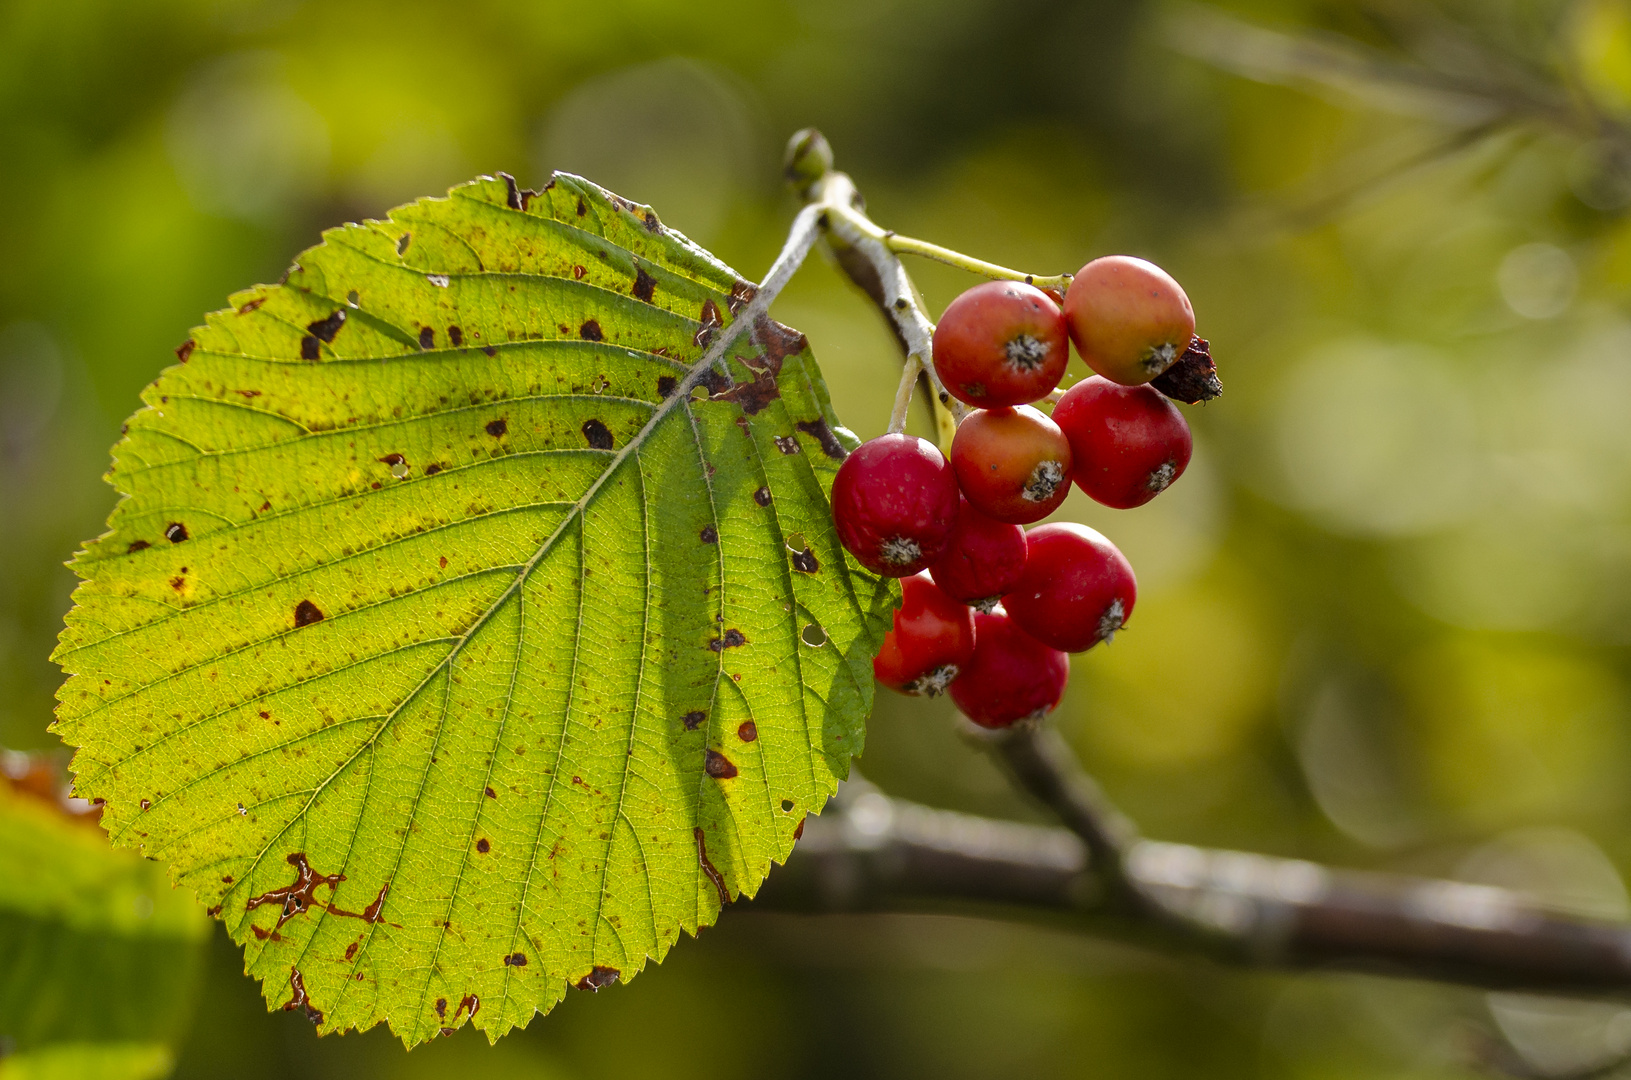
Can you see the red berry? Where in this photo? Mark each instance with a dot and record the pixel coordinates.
(1128, 318)
(1013, 464)
(1012, 677)
(1128, 443)
(894, 502)
(984, 560)
(933, 640)
(1001, 343)
(1077, 589)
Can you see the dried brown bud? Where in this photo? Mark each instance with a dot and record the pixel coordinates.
(1193, 377)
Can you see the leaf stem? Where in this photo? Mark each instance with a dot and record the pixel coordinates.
(909, 245)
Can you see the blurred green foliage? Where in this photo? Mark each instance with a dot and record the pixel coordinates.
(1384, 617)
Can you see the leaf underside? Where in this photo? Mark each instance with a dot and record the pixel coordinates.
(449, 650)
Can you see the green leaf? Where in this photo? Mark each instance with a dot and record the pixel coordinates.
(443, 642)
(94, 943)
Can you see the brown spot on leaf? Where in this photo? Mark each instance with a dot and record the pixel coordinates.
(369, 914)
(666, 385)
(351, 950)
(515, 196)
(137, 545)
(184, 350)
(711, 320)
(516, 960)
(299, 1001)
(310, 348)
(578, 271)
(306, 613)
(708, 867)
(645, 286)
(819, 431)
(491, 794)
(455, 335)
(582, 209)
(598, 435)
(733, 639)
(325, 329)
(748, 731)
(754, 395)
(652, 224)
(432, 469)
(590, 331)
(762, 496)
(709, 535)
(251, 305)
(483, 845)
(742, 294)
(787, 444)
(598, 976)
(175, 532)
(427, 337)
(498, 427)
(298, 897)
(693, 719)
(805, 562)
(489, 350)
(441, 1007)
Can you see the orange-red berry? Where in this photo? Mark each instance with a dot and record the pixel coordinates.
(1128, 318)
(894, 503)
(983, 561)
(1001, 343)
(931, 642)
(1077, 589)
(1012, 464)
(1012, 676)
(1128, 443)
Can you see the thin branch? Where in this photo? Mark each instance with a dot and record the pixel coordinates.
(870, 852)
(877, 272)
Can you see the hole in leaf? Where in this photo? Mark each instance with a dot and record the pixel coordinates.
(813, 634)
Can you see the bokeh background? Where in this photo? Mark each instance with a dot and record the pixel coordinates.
(1383, 619)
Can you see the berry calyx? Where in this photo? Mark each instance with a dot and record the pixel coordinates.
(894, 502)
(1193, 377)
(1012, 464)
(1129, 443)
(1077, 589)
(931, 643)
(1128, 318)
(983, 561)
(1001, 343)
(1012, 676)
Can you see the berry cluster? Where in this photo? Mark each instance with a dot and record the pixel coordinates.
(990, 610)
